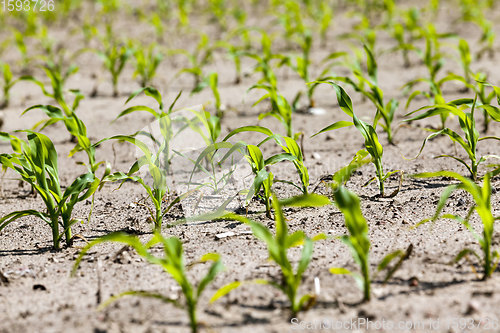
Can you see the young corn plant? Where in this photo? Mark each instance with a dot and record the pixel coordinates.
(198, 59)
(157, 189)
(157, 160)
(363, 33)
(289, 14)
(372, 144)
(235, 53)
(75, 126)
(482, 198)
(470, 138)
(35, 161)
(359, 243)
(385, 111)
(434, 94)
(278, 246)
(485, 93)
(325, 20)
(58, 76)
(161, 115)
(434, 60)
(114, 57)
(147, 61)
(301, 63)
(212, 81)
(263, 180)
(8, 83)
(404, 44)
(23, 50)
(280, 107)
(465, 59)
(288, 145)
(172, 262)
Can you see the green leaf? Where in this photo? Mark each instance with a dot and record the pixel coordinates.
(339, 271)
(306, 200)
(223, 291)
(334, 126)
(259, 129)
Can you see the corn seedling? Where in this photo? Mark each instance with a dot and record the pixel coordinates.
(372, 143)
(172, 262)
(280, 107)
(75, 126)
(23, 50)
(290, 16)
(234, 53)
(475, 13)
(8, 83)
(157, 161)
(35, 161)
(363, 33)
(161, 115)
(219, 173)
(278, 246)
(114, 57)
(212, 81)
(359, 243)
(157, 23)
(264, 59)
(434, 60)
(158, 191)
(147, 61)
(385, 111)
(488, 37)
(480, 88)
(482, 198)
(470, 137)
(198, 59)
(405, 44)
(58, 77)
(326, 15)
(289, 146)
(301, 63)
(465, 58)
(263, 179)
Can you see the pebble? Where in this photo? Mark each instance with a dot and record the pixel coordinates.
(316, 111)
(224, 235)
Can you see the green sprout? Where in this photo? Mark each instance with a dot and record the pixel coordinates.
(198, 59)
(35, 161)
(470, 138)
(172, 263)
(114, 57)
(234, 53)
(404, 44)
(359, 243)
(147, 61)
(157, 161)
(280, 107)
(482, 198)
(8, 83)
(289, 146)
(385, 111)
(372, 144)
(278, 246)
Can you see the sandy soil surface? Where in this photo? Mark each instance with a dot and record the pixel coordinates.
(40, 295)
